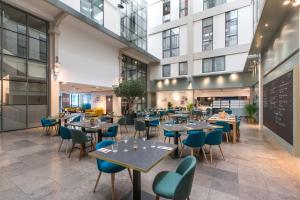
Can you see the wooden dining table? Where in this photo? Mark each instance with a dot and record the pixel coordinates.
(98, 126)
(141, 160)
(230, 120)
(177, 128)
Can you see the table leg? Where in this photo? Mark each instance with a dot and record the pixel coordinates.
(234, 133)
(136, 185)
(111, 120)
(176, 143)
(99, 135)
(147, 130)
(66, 121)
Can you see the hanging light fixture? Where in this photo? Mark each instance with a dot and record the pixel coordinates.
(291, 2)
(56, 67)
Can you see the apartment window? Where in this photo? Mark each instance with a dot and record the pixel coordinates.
(207, 34)
(183, 8)
(171, 43)
(183, 68)
(213, 64)
(93, 9)
(212, 3)
(166, 71)
(231, 31)
(166, 11)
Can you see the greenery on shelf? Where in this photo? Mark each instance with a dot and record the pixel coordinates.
(190, 107)
(130, 90)
(251, 110)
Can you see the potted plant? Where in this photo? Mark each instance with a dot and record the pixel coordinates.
(190, 107)
(251, 109)
(170, 105)
(130, 90)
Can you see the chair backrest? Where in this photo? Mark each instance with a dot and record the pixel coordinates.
(113, 129)
(76, 119)
(155, 122)
(103, 119)
(196, 139)
(228, 111)
(65, 133)
(43, 121)
(214, 137)
(187, 169)
(122, 121)
(78, 136)
(140, 125)
(226, 126)
(100, 145)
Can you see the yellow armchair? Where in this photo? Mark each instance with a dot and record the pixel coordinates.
(96, 112)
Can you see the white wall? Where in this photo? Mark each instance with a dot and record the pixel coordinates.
(85, 58)
(197, 36)
(155, 13)
(222, 93)
(183, 40)
(155, 45)
(245, 25)
(197, 67)
(112, 16)
(75, 4)
(197, 6)
(219, 31)
(176, 97)
(174, 9)
(235, 62)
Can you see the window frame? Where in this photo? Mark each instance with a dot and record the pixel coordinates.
(170, 36)
(184, 9)
(187, 68)
(212, 33)
(213, 1)
(228, 22)
(92, 11)
(163, 71)
(166, 3)
(213, 60)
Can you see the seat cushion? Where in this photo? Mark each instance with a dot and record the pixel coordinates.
(110, 168)
(108, 134)
(171, 134)
(165, 184)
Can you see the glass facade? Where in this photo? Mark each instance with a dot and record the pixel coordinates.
(24, 61)
(133, 69)
(183, 68)
(134, 22)
(213, 64)
(183, 8)
(166, 70)
(212, 3)
(93, 9)
(166, 11)
(207, 34)
(170, 43)
(231, 30)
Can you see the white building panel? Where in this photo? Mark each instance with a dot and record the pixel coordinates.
(155, 14)
(245, 25)
(197, 67)
(183, 40)
(155, 45)
(174, 9)
(112, 16)
(235, 62)
(197, 6)
(197, 36)
(219, 31)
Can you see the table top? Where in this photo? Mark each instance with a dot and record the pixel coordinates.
(190, 126)
(147, 118)
(230, 118)
(178, 115)
(142, 160)
(66, 116)
(96, 125)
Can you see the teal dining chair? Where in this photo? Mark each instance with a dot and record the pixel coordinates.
(139, 126)
(195, 140)
(108, 167)
(111, 132)
(226, 129)
(78, 137)
(65, 134)
(122, 122)
(47, 125)
(154, 124)
(214, 138)
(171, 134)
(176, 185)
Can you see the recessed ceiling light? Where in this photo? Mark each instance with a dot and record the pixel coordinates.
(266, 24)
(261, 37)
(286, 2)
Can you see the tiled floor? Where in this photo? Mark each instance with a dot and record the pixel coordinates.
(254, 168)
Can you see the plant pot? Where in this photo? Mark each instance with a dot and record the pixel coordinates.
(251, 120)
(130, 118)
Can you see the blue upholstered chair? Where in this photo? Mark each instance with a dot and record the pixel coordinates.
(104, 119)
(226, 128)
(195, 140)
(78, 137)
(65, 134)
(214, 138)
(154, 124)
(171, 134)
(76, 119)
(122, 122)
(111, 132)
(48, 125)
(176, 185)
(139, 126)
(107, 167)
(228, 111)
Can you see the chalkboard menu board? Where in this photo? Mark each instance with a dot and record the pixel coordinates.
(278, 106)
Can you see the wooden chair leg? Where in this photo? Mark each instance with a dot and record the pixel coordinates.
(71, 150)
(67, 147)
(126, 128)
(226, 137)
(62, 140)
(134, 134)
(113, 186)
(129, 172)
(181, 151)
(81, 151)
(210, 152)
(165, 139)
(157, 197)
(221, 152)
(192, 151)
(179, 138)
(98, 178)
(204, 155)
(169, 140)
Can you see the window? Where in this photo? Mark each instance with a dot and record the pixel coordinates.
(183, 68)
(212, 3)
(92, 9)
(166, 71)
(231, 31)
(207, 34)
(183, 8)
(213, 64)
(170, 43)
(166, 11)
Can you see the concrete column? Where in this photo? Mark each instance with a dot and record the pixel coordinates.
(190, 40)
(260, 93)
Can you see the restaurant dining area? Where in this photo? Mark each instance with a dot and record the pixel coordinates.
(149, 100)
